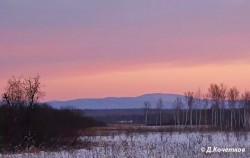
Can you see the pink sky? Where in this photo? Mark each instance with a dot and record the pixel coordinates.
(125, 48)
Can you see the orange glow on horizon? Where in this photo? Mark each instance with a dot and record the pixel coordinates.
(155, 79)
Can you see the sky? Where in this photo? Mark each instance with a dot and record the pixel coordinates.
(97, 48)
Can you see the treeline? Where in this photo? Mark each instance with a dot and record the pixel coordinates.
(25, 123)
(220, 107)
(137, 116)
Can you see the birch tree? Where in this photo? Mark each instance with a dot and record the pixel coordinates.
(189, 98)
(223, 96)
(217, 94)
(246, 108)
(205, 103)
(197, 106)
(159, 109)
(146, 111)
(233, 96)
(178, 104)
(214, 95)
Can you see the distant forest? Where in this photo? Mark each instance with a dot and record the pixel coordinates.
(220, 107)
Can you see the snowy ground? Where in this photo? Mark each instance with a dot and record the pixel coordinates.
(155, 145)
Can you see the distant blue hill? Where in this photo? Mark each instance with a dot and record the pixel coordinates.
(118, 102)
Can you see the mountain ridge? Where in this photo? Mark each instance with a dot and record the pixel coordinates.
(118, 102)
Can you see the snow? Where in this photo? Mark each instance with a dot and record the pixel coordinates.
(155, 145)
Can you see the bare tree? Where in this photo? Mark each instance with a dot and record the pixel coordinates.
(223, 96)
(159, 109)
(146, 110)
(32, 88)
(14, 94)
(214, 94)
(189, 98)
(205, 103)
(233, 96)
(23, 91)
(197, 105)
(217, 94)
(246, 108)
(178, 106)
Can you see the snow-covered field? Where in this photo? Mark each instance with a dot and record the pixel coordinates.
(155, 145)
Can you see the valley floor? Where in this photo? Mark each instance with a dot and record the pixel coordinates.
(155, 145)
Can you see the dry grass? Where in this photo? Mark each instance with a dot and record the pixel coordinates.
(139, 128)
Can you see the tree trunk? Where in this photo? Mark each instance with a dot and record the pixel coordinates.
(146, 118)
(221, 119)
(160, 118)
(205, 116)
(215, 117)
(212, 118)
(156, 122)
(244, 114)
(200, 117)
(196, 117)
(186, 117)
(231, 120)
(191, 117)
(235, 121)
(239, 118)
(175, 121)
